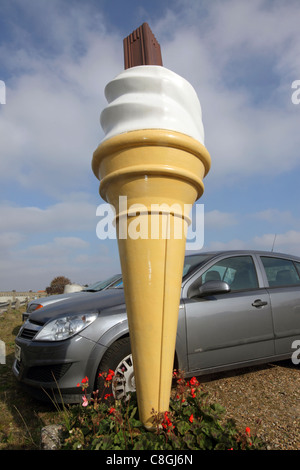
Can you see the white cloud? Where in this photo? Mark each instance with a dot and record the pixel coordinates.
(47, 136)
(38, 244)
(64, 216)
(276, 216)
(216, 219)
(50, 126)
(248, 128)
(288, 242)
(9, 240)
(35, 266)
(234, 244)
(58, 248)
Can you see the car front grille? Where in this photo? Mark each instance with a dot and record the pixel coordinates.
(26, 333)
(29, 330)
(48, 373)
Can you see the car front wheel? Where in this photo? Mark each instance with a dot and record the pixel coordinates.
(119, 359)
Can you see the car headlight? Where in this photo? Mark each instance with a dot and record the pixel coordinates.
(65, 327)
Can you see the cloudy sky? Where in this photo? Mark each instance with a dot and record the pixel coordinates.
(56, 58)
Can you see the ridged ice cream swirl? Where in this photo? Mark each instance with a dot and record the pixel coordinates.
(151, 97)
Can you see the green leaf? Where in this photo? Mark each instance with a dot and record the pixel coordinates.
(136, 423)
(190, 441)
(133, 412)
(183, 427)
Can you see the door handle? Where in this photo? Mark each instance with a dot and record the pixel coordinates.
(259, 303)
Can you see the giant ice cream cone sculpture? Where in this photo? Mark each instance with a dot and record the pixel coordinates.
(153, 154)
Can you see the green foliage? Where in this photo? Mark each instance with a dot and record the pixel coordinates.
(191, 423)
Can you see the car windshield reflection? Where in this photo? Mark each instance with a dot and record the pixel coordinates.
(100, 285)
(117, 285)
(191, 262)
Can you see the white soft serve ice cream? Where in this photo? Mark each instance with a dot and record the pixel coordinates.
(151, 97)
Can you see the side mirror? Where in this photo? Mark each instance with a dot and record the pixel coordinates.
(214, 287)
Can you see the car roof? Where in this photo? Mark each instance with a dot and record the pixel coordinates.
(236, 252)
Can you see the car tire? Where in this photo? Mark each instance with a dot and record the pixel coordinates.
(119, 359)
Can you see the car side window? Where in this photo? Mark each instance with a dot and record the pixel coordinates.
(238, 271)
(280, 271)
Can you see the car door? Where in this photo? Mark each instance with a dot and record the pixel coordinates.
(283, 276)
(228, 328)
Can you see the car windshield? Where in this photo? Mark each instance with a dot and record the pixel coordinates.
(117, 285)
(102, 284)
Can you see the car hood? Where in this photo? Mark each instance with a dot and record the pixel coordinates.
(79, 304)
(53, 298)
(60, 297)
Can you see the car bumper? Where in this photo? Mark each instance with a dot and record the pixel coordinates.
(52, 370)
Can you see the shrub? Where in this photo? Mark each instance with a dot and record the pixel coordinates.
(57, 285)
(191, 423)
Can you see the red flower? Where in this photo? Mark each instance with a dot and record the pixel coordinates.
(191, 418)
(112, 410)
(107, 395)
(167, 422)
(247, 431)
(84, 382)
(110, 374)
(194, 381)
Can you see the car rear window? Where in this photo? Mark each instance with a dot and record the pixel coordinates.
(280, 271)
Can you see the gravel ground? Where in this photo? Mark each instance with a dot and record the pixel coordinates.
(269, 393)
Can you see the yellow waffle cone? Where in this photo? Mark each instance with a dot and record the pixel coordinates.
(160, 173)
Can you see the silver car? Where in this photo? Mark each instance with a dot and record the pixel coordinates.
(237, 308)
(51, 299)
